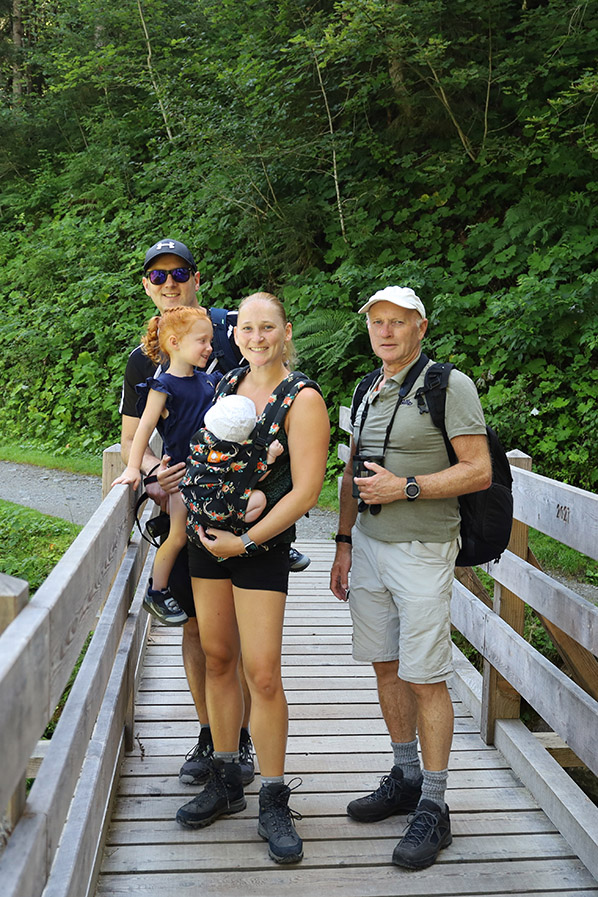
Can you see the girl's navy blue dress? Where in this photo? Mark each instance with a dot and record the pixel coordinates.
(187, 400)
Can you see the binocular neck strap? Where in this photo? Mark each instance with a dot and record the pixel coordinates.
(405, 389)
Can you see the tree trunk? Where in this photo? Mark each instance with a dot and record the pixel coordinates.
(17, 40)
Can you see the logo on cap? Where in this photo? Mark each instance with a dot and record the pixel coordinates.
(168, 245)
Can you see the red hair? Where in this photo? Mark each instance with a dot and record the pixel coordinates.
(175, 321)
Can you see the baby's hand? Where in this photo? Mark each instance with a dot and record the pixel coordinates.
(131, 477)
(275, 449)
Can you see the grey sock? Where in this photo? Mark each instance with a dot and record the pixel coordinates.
(272, 780)
(406, 756)
(434, 786)
(227, 756)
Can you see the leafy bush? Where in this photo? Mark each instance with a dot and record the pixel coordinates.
(319, 151)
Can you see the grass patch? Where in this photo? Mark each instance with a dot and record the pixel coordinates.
(32, 543)
(328, 499)
(43, 456)
(559, 558)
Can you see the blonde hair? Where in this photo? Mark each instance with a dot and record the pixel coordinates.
(289, 355)
(176, 321)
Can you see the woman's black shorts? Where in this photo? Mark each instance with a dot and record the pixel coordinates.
(267, 571)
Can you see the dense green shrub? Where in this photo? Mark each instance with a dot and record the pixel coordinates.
(319, 150)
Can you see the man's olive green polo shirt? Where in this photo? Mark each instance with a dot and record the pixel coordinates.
(416, 447)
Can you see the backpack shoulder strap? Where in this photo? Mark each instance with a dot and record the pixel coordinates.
(281, 400)
(433, 395)
(361, 390)
(226, 353)
(228, 383)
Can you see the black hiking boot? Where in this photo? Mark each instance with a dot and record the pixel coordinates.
(393, 796)
(198, 762)
(428, 832)
(222, 795)
(276, 826)
(246, 758)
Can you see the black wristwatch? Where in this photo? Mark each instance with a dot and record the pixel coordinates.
(250, 546)
(412, 489)
(340, 537)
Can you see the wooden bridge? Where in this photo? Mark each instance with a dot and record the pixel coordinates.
(99, 818)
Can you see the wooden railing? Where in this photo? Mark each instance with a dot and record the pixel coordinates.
(513, 669)
(57, 830)
(55, 833)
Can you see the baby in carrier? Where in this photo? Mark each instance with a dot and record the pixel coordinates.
(223, 467)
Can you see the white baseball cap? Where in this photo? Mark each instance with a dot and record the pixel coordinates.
(401, 296)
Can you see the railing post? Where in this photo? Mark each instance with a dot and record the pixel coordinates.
(499, 698)
(112, 466)
(14, 595)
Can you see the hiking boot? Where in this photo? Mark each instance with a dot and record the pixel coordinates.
(298, 561)
(222, 795)
(198, 762)
(428, 832)
(246, 759)
(161, 605)
(394, 795)
(276, 826)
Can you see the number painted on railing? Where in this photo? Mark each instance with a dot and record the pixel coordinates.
(563, 513)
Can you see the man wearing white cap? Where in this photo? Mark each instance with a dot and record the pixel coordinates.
(398, 534)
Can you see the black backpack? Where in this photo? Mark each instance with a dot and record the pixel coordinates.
(226, 352)
(486, 516)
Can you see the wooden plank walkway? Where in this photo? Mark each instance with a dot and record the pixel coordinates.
(502, 842)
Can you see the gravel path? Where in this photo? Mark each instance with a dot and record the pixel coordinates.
(75, 497)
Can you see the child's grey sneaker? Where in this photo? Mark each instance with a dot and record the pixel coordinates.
(276, 825)
(298, 561)
(222, 795)
(428, 832)
(161, 605)
(198, 762)
(393, 796)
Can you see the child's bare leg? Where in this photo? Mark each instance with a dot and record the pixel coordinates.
(169, 550)
(255, 505)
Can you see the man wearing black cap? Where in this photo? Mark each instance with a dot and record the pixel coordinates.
(170, 279)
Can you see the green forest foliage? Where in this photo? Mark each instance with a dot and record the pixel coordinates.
(320, 150)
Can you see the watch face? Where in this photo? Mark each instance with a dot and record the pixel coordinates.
(250, 546)
(412, 490)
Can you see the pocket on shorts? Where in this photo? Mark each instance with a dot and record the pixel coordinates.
(439, 552)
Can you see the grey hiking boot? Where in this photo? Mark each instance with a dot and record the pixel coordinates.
(276, 825)
(222, 795)
(393, 796)
(161, 605)
(428, 832)
(246, 758)
(198, 762)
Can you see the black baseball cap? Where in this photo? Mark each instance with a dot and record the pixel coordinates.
(168, 247)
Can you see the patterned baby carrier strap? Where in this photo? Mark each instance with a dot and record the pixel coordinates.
(226, 505)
